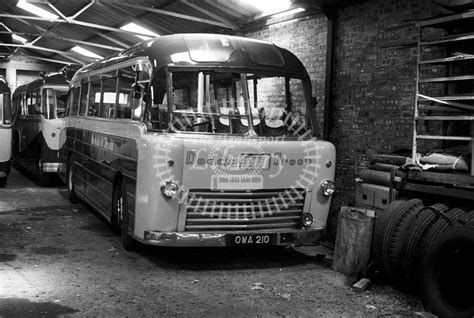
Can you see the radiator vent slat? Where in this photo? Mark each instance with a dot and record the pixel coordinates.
(244, 210)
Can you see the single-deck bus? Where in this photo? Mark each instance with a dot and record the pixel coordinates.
(199, 140)
(5, 131)
(39, 109)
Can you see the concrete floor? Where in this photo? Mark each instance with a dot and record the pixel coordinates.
(62, 259)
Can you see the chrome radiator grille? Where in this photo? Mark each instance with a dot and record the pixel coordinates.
(244, 210)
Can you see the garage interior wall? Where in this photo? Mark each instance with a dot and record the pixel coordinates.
(374, 72)
(373, 78)
(20, 69)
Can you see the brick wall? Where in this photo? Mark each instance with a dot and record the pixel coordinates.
(25, 77)
(374, 84)
(21, 69)
(374, 79)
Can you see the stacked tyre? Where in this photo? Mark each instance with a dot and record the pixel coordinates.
(406, 240)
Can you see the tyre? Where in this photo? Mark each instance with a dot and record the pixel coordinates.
(413, 246)
(3, 182)
(442, 225)
(70, 181)
(120, 210)
(466, 219)
(395, 236)
(381, 223)
(447, 280)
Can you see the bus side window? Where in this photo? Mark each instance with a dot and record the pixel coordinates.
(33, 103)
(158, 114)
(75, 101)
(94, 97)
(69, 102)
(83, 104)
(47, 103)
(109, 94)
(126, 79)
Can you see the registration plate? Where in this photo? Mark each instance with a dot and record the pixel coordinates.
(251, 239)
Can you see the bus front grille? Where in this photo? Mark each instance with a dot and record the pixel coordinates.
(209, 210)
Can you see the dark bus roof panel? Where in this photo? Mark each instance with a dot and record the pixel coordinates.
(48, 79)
(4, 85)
(209, 50)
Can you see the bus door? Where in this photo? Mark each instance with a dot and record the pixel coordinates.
(31, 128)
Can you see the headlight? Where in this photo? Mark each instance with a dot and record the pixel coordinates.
(306, 219)
(169, 189)
(327, 188)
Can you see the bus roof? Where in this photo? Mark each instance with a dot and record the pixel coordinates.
(4, 85)
(209, 50)
(49, 79)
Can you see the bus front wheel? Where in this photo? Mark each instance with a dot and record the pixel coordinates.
(120, 213)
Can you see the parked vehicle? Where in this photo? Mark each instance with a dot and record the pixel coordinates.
(39, 110)
(5, 130)
(199, 140)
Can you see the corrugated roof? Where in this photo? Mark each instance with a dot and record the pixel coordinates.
(94, 24)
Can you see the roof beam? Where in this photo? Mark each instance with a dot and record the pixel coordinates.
(70, 21)
(87, 6)
(160, 29)
(40, 48)
(51, 60)
(111, 39)
(103, 46)
(57, 11)
(211, 14)
(175, 14)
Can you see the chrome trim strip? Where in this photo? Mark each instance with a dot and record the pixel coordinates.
(285, 238)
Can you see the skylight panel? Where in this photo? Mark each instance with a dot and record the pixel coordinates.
(132, 27)
(269, 5)
(19, 38)
(86, 52)
(36, 10)
(285, 13)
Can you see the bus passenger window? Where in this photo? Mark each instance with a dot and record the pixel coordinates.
(48, 102)
(75, 102)
(125, 80)
(94, 98)
(83, 105)
(107, 109)
(33, 103)
(69, 102)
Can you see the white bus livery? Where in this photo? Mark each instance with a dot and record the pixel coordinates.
(199, 140)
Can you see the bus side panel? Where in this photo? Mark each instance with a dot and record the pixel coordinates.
(153, 210)
(6, 149)
(326, 153)
(106, 151)
(5, 144)
(63, 153)
(51, 132)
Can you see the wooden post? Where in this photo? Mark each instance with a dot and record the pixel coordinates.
(353, 240)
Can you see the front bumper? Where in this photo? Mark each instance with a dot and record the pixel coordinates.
(189, 239)
(50, 166)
